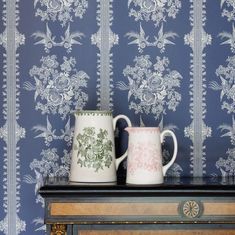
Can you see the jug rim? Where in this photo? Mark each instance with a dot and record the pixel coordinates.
(143, 128)
(93, 112)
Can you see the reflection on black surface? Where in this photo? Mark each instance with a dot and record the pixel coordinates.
(92, 183)
(168, 182)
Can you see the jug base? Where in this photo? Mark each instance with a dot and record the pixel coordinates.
(144, 184)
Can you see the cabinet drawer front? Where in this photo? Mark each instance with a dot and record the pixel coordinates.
(181, 210)
(159, 232)
(150, 229)
(113, 209)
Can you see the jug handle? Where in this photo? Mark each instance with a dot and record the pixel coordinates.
(121, 116)
(170, 163)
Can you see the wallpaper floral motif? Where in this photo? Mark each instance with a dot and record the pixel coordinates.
(167, 63)
(152, 86)
(226, 87)
(58, 86)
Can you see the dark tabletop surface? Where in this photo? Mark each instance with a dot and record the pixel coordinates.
(176, 186)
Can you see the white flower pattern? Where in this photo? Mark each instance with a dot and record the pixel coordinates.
(229, 9)
(227, 165)
(60, 10)
(227, 85)
(58, 88)
(50, 165)
(151, 86)
(154, 10)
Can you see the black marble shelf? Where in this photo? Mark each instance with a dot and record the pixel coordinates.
(176, 186)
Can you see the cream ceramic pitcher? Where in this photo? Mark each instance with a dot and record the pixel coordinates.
(93, 154)
(144, 162)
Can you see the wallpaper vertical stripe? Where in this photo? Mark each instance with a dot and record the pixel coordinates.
(161, 63)
(11, 117)
(197, 91)
(200, 130)
(105, 39)
(12, 223)
(104, 55)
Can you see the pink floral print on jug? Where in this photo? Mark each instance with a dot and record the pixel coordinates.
(144, 162)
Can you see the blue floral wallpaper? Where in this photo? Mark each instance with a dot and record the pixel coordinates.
(167, 63)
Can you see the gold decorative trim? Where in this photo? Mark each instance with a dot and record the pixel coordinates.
(191, 209)
(58, 229)
(78, 222)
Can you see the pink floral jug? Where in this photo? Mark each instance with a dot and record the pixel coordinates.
(144, 162)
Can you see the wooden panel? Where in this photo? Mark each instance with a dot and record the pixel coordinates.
(222, 209)
(96, 209)
(86, 209)
(158, 232)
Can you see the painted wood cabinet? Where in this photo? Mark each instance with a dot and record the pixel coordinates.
(177, 207)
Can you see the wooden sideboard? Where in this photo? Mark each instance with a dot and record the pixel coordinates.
(178, 207)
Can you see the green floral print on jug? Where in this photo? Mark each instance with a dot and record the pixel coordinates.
(95, 149)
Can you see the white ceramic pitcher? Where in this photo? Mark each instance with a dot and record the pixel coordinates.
(144, 162)
(93, 154)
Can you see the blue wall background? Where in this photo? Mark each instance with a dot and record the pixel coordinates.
(162, 63)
